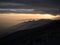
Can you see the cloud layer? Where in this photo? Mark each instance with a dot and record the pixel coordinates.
(44, 7)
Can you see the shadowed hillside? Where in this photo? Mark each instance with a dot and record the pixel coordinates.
(48, 34)
(25, 26)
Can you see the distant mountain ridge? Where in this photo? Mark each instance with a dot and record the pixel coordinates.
(48, 34)
(27, 25)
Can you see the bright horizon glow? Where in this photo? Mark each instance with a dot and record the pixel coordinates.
(32, 16)
(10, 19)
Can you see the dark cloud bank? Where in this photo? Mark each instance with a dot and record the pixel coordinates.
(40, 6)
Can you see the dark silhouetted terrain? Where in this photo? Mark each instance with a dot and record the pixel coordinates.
(48, 34)
(25, 26)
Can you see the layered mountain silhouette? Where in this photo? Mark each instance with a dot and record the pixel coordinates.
(25, 25)
(34, 33)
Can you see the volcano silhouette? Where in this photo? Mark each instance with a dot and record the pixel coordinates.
(47, 34)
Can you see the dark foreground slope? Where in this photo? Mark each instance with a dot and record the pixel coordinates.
(46, 35)
(25, 26)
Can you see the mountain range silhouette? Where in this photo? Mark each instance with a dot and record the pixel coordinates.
(47, 33)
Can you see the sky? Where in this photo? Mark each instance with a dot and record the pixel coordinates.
(47, 9)
(36, 2)
(42, 6)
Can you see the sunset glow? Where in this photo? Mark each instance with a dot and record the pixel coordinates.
(28, 16)
(10, 19)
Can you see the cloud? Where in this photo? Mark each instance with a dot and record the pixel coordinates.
(43, 8)
(32, 10)
(12, 4)
(53, 11)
